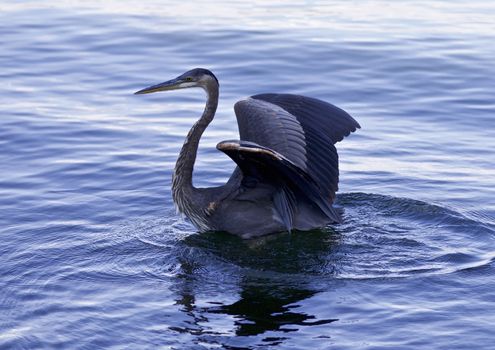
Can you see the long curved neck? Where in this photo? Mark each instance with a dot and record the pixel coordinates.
(182, 185)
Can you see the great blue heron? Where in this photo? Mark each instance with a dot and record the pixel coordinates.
(287, 165)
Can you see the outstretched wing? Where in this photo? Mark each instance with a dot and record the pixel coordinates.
(262, 164)
(302, 129)
(330, 120)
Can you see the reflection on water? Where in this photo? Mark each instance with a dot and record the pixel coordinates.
(298, 252)
(267, 288)
(263, 307)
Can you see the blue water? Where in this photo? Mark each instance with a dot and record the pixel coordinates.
(92, 253)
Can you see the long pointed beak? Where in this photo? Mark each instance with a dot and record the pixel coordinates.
(168, 85)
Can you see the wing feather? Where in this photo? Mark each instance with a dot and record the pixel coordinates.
(302, 129)
(333, 121)
(271, 126)
(267, 165)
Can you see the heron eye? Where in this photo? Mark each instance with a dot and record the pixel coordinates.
(188, 79)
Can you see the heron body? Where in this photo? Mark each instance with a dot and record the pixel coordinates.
(287, 165)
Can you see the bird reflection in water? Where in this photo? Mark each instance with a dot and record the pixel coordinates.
(273, 279)
(263, 307)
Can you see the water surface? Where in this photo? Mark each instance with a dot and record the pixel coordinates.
(92, 254)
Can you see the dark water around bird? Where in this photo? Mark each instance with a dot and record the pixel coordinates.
(92, 254)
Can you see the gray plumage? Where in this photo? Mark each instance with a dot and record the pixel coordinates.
(287, 165)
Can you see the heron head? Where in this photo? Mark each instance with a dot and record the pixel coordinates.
(197, 77)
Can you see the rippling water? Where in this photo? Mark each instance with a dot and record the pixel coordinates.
(92, 254)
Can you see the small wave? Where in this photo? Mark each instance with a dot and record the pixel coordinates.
(402, 237)
(381, 237)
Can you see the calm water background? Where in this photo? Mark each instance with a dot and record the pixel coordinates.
(92, 254)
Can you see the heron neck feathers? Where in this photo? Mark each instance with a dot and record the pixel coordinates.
(183, 191)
